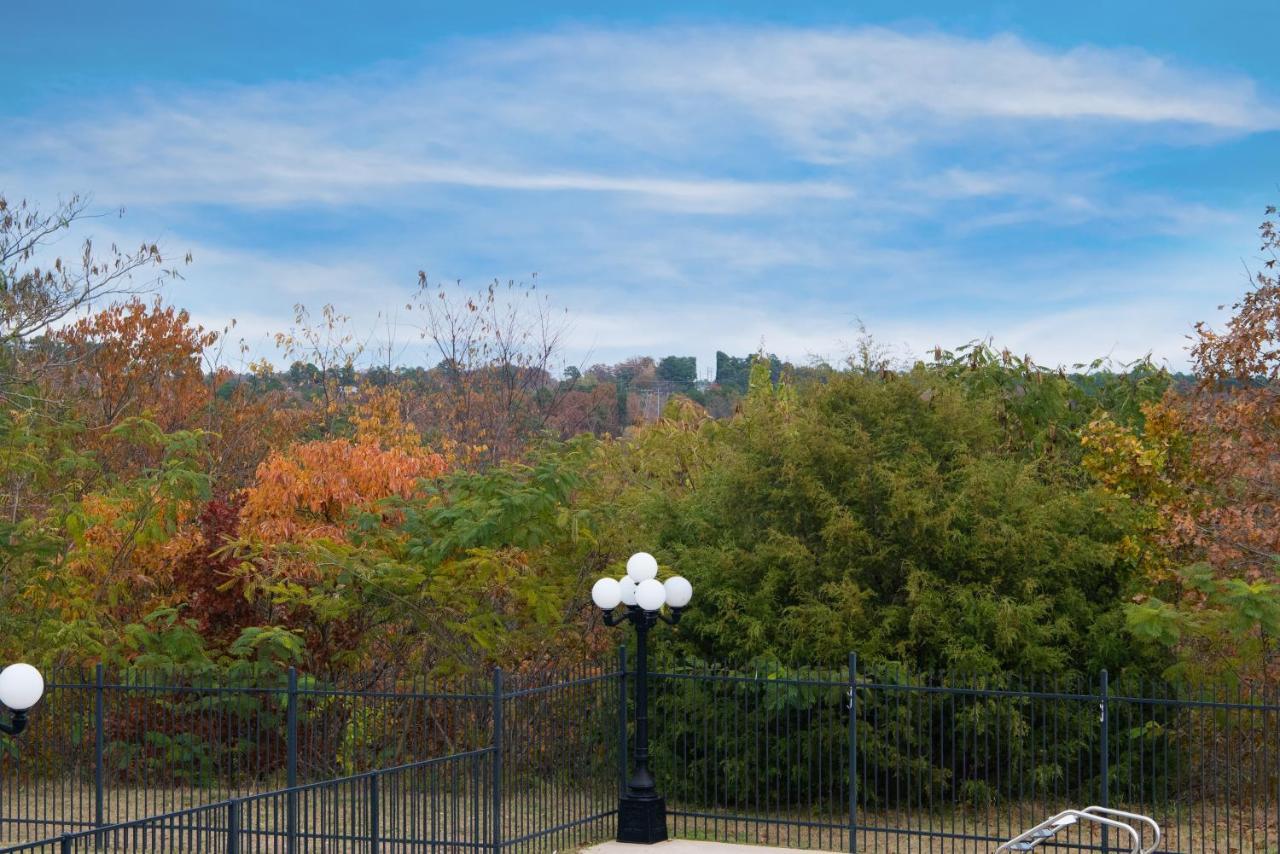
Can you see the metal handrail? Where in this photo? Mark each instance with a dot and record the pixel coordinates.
(1091, 813)
(1148, 820)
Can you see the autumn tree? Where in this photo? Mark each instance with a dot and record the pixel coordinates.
(309, 490)
(140, 360)
(206, 580)
(136, 360)
(330, 350)
(1205, 467)
(383, 560)
(492, 390)
(100, 556)
(39, 288)
(315, 497)
(472, 570)
(587, 407)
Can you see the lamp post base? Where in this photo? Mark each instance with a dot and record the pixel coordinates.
(642, 820)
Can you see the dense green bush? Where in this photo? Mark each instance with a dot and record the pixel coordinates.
(937, 518)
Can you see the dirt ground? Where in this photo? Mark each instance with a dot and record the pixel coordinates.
(409, 819)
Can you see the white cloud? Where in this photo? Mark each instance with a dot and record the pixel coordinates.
(834, 95)
(1059, 314)
(684, 188)
(677, 118)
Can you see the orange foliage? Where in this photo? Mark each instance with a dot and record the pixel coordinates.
(380, 419)
(1232, 421)
(131, 360)
(134, 360)
(148, 361)
(123, 569)
(247, 426)
(1205, 462)
(308, 490)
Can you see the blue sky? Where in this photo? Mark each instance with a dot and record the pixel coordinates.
(1075, 182)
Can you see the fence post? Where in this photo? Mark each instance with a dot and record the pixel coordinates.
(291, 762)
(233, 826)
(853, 752)
(1105, 719)
(477, 794)
(374, 831)
(622, 719)
(64, 844)
(99, 750)
(495, 781)
(291, 723)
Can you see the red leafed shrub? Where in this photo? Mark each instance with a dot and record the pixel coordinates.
(214, 592)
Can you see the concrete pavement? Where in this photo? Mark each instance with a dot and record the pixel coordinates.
(688, 846)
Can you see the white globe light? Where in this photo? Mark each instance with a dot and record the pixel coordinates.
(606, 594)
(642, 566)
(21, 687)
(650, 594)
(679, 591)
(627, 590)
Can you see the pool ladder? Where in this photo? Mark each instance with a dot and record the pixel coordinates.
(1129, 822)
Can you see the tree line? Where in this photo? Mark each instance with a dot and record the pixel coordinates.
(969, 511)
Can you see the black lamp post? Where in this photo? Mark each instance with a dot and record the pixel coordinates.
(21, 687)
(642, 812)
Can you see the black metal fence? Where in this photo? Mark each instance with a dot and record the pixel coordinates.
(101, 752)
(914, 762)
(878, 760)
(433, 805)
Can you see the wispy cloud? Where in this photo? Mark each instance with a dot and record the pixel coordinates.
(836, 95)
(690, 118)
(729, 174)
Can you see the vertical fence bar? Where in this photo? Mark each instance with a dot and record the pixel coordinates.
(495, 783)
(291, 763)
(853, 752)
(1275, 710)
(99, 750)
(1105, 718)
(622, 720)
(233, 826)
(291, 732)
(477, 768)
(375, 836)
